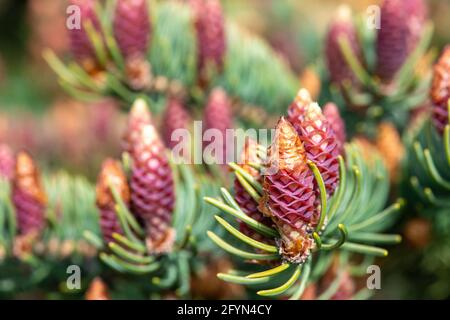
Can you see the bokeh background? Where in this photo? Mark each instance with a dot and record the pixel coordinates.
(36, 114)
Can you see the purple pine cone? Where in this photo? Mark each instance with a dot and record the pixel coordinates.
(28, 196)
(331, 112)
(401, 26)
(175, 117)
(81, 46)
(342, 26)
(132, 27)
(152, 190)
(209, 23)
(111, 175)
(218, 115)
(440, 90)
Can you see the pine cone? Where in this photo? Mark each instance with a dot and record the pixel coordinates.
(401, 25)
(318, 138)
(97, 290)
(6, 162)
(390, 146)
(243, 199)
(111, 175)
(132, 27)
(218, 115)
(175, 117)
(342, 26)
(80, 44)
(211, 43)
(28, 196)
(331, 113)
(440, 90)
(152, 190)
(138, 118)
(289, 194)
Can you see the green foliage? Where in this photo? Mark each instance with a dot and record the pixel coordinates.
(173, 49)
(254, 74)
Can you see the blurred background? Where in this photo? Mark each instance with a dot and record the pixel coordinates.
(36, 114)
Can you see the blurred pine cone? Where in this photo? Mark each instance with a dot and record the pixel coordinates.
(318, 138)
(390, 146)
(7, 162)
(80, 44)
(138, 117)
(440, 90)
(175, 117)
(331, 113)
(111, 176)
(132, 27)
(401, 26)
(418, 232)
(289, 195)
(152, 190)
(218, 115)
(97, 290)
(342, 26)
(211, 43)
(28, 196)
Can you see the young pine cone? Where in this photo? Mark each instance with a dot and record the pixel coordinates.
(331, 113)
(211, 43)
(152, 190)
(138, 118)
(111, 176)
(318, 138)
(132, 27)
(175, 117)
(401, 25)
(81, 45)
(28, 196)
(218, 116)
(289, 195)
(243, 199)
(6, 162)
(343, 27)
(440, 90)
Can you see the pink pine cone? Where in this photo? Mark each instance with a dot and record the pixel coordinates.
(318, 137)
(81, 46)
(289, 196)
(440, 90)
(138, 118)
(132, 27)
(28, 196)
(152, 190)
(111, 175)
(331, 113)
(209, 23)
(337, 65)
(218, 115)
(175, 117)
(401, 26)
